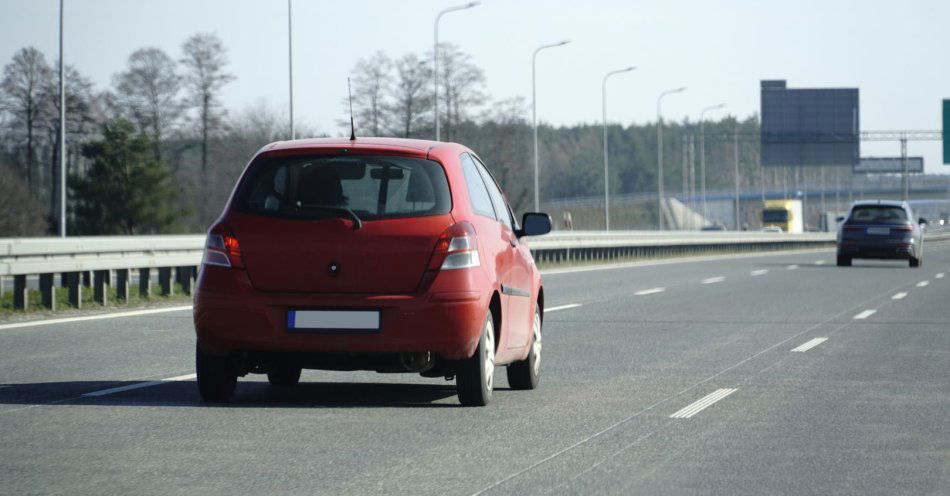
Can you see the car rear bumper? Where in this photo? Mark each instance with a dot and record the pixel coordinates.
(230, 315)
(883, 249)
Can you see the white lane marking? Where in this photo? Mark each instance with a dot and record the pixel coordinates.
(562, 307)
(939, 275)
(899, 296)
(713, 280)
(703, 403)
(140, 385)
(922, 284)
(810, 344)
(865, 314)
(115, 315)
(650, 291)
(792, 267)
(819, 262)
(759, 272)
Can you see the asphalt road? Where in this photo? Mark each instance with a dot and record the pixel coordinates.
(670, 378)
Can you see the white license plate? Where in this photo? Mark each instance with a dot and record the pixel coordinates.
(879, 230)
(333, 320)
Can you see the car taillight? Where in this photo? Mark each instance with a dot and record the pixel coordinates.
(457, 248)
(904, 227)
(853, 228)
(222, 248)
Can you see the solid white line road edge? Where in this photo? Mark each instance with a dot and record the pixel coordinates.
(865, 314)
(809, 345)
(140, 385)
(562, 307)
(116, 315)
(703, 403)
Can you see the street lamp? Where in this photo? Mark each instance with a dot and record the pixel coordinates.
(290, 68)
(702, 151)
(435, 56)
(659, 149)
(62, 131)
(606, 176)
(534, 118)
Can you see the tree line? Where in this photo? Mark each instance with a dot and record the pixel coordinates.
(157, 152)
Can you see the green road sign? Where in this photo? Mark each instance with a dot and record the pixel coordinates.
(946, 129)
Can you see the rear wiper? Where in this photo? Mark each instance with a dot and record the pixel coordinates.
(335, 208)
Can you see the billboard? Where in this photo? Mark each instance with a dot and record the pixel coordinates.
(809, 127)
(888, 165)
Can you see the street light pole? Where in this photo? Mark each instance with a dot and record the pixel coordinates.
(435, 57)
(659, 155)
(534, 118)
(606, 175)
(290, 67)
(702, 152)
(62, 131)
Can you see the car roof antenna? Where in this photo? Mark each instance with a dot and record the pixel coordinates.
(352, 126)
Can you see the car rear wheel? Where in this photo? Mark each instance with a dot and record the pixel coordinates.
(844, 261)
(475, 375)
(216, 379)
(914, 261)
(284, 375)
(526, 374)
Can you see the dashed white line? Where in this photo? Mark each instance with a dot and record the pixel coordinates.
(792, 267)
(939, 275)
(758, 272)
(140, 385)
(713, 280)
(865, 314)
(922, 284)
(650, 291)
(819, 262)
(809, 345)
(899, 296)
(115, 315)
(703, 403)
(562, 307)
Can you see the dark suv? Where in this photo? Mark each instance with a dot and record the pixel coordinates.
(881, 229)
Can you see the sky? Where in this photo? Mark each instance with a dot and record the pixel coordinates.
(896, 53)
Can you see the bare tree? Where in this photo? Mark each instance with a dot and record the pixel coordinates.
(371, 78)
(20, 89)
(461, 87)
(204, 59)
(21, 212)
(411, 97)
(80, 123)
(148, 93)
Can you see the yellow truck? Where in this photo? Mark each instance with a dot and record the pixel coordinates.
(786, 215)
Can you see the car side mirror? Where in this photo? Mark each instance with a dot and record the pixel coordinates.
(534, 224)
(840, 219)
(922, 221)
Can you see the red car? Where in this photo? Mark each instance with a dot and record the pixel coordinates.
(391, 255)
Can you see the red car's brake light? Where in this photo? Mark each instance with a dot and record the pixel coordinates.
(457, 248)
(222, 248)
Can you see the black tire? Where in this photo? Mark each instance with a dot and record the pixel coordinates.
(915, 262)
(284, 375)
(475, 375)
(526, 374)
(216, 377)
(844, 261)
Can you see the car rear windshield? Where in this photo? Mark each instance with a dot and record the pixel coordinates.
(879, 214)
(775, 215)
(371, 187)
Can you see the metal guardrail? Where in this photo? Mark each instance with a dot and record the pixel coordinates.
(102, 261)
